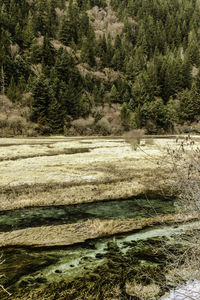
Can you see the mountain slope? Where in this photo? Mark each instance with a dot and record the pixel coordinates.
(71, 58)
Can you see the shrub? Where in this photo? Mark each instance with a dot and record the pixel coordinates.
(103, 126)
(134, 137)
(156, 112)
(17, 124)
(3, 120)
(81, 126)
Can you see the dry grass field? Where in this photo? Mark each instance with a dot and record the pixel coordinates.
(56, 171)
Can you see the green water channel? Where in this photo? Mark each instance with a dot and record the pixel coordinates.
(26, 269)
(55, 215)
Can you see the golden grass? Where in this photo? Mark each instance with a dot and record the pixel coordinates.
(48, 176)
(132, 184)
(142, 292)
(48, 153)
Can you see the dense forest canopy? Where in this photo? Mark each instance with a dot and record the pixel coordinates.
(73, 56)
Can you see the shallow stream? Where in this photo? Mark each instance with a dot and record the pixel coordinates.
(31, 268)
(27, 268)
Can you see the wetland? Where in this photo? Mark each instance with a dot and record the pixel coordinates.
(87, 218)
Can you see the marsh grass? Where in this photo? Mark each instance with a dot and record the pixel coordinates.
(121, 185)
(69, 234)
(142, 292)
(125, 175)
(49, 153)
(77, 180)
(108, 160)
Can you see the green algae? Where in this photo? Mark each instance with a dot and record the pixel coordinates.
(101, 282)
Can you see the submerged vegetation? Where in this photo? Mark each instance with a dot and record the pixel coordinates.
(134, 266)
(85, 67)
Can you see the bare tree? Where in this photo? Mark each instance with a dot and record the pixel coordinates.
(184, 269)
(185, 160)
(1, 286)
(2, 81)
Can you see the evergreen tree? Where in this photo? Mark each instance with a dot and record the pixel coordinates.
(55, 116)
(150, 61)
(42, 99)
(114, 94)
(87, 52)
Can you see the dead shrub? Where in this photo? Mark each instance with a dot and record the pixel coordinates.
(117, 129)
(57, 44)
(189, 128)
(134, 137)
(17, 124)
(80, 123)
(59, 12)
(26, 99)
(37, 69)
(84, 70)
(70, 131)
(40, 41)
(185, 164)
(184, 159)
(82, 126)
(105, 21)
(142, 292)
(5, 104)
(103, 126)
(14, 50)
(3, 120)
(31, 132)
(112, 75)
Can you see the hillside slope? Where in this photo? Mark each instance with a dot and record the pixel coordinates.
(84, 67)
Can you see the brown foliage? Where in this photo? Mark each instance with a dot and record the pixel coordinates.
(133, 137)
(37, 69)
(14, 50)
(105, 21)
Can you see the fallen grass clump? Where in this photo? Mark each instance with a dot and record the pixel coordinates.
(141, 291)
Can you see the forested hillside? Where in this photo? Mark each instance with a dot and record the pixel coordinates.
(97, 66)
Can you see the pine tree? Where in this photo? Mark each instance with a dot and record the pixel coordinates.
(114, 94)
(67, 32)
(11, 92)
(42, 98)
(55, 116)
(48, 52)
(87, 53)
